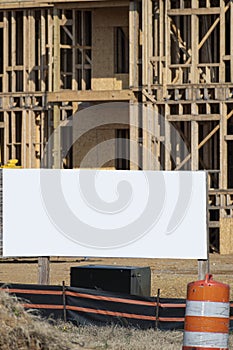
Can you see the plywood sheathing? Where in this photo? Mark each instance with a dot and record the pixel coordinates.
(104, 23)
(94, 134)
(226, 235)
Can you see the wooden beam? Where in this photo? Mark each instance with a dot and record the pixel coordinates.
(23, 5)
(194, 11)
(228, 137)
(189, 117)
(69, 95)
(80, 3)
(83, 5)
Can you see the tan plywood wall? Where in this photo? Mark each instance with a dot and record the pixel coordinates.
(104, 22)
(94, 135)
(226, 235)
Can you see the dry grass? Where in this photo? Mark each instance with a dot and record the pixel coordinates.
(23, 330)
(20, 330)
(117, 338)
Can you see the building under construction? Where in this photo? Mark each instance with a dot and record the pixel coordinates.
(168, 62)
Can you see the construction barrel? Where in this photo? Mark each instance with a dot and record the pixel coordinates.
(207, 315)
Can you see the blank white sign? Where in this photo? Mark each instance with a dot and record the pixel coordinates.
(97, 213)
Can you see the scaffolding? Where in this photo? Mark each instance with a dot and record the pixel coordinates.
(176, 74)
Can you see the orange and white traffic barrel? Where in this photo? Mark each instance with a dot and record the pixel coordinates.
(207, 315)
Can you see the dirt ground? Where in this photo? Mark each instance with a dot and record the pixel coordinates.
(170, 276)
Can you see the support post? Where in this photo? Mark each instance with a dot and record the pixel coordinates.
(203, 264)
(203, 268)
(43, 270)
(56, 87)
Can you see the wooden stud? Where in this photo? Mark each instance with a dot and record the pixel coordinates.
(50, 50)
(5, 52)
(83, 80)
(23, 143)
(231, 40)
(194, 45)
(133, 43)
(149, 46)
(25, 51)
(147, 110)
(13, 51)
(167, 140)
(167, 52)
(30, 138)
(161, 52)
(194, 141)
(145, 42)
(31, 49)
(56, 87)
(223, 146)
(42, 51)
(222, 43)
(134, 110)
(156, 139)
(6, 136)
(74, 52)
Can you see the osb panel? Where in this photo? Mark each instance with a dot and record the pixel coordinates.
(95, 149)
(226, 235)
(104, 22)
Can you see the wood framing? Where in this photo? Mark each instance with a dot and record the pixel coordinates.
(172, 64)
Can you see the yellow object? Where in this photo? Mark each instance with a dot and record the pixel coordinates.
(11, 164)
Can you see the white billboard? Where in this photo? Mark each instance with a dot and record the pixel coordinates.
(97, 213)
